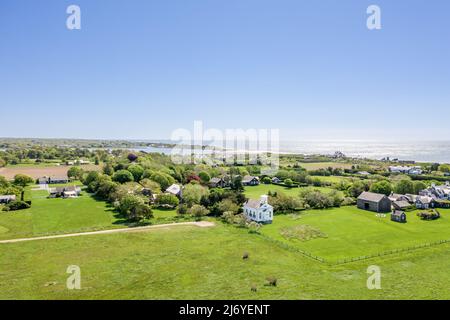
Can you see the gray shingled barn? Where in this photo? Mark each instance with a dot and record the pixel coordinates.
(374, 202)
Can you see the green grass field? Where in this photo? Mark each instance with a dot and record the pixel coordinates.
(352, 232)
(196, 263)
(324, 165)
(55, 216)
(254, 192)
(206, 263)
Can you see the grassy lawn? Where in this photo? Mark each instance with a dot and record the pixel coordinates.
(331, 179)
(352, 232)
(254, 192)
(324, 165)
(196, 263)
(54, 216)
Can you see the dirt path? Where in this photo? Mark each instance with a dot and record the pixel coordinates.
(201, 224)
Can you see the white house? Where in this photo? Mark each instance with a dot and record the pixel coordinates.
(416, 170)
(259, 210)
(174, 189)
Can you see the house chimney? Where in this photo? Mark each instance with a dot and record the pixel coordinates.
(264, 199)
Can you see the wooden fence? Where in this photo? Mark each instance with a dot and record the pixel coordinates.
(353, 259)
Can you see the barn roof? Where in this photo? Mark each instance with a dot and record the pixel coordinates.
(370, 196)
(402, 204)
(398, 213)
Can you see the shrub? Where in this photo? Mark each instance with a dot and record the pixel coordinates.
(182, 209)
(429, 215)
(167, 200)
(198, 211)
(266, 180)
(123, 176)
(132, 157)
(272, 281)
(17, 205)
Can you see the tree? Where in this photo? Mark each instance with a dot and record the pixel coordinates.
(193, 193)
(227, 205)
(75, 172)
(167, 200)
(404, 186)
(419, 186)
(134, 208)
(198, 211)
(266, 180)
(108, 169)
(137, 171)
(283, 203)
(153, 186)
(442, 168)
(383, 187)
(288, 182)
(204, 176)
(3, 182)
(22, 181)
(236, 184)
(2, 163)
(163, 179)
(132, 157)
(90, 177)
(123, 176)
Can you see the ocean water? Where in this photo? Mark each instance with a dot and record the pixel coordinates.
(420, 151)
(426, 151)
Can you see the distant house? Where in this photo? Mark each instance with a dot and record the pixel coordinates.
(7, 199)
(374, 202)
(276, 180)
(424, 202)
(217, 183)
(65, 192)
(416, 170)
(401, 205)
(398, 216)
(364, 173)
(53, 180)
(259, 210)
(250, 181)
(174, 189)
(438, 192)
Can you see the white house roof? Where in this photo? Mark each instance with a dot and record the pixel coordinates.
(8, 197)
(174, 189)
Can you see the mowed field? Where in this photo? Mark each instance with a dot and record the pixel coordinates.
(324, 165)
(206, 263)
(36, 171)
(254, 192)
(352, 233)
(57, 216)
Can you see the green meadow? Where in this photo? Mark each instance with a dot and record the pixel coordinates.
(254, 192)
(55, 216)
(206, 263)
(187, 262)
(352, 233)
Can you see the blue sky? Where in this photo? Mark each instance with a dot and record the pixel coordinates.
(141, 69)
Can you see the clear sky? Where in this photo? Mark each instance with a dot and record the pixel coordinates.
(141, 69)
